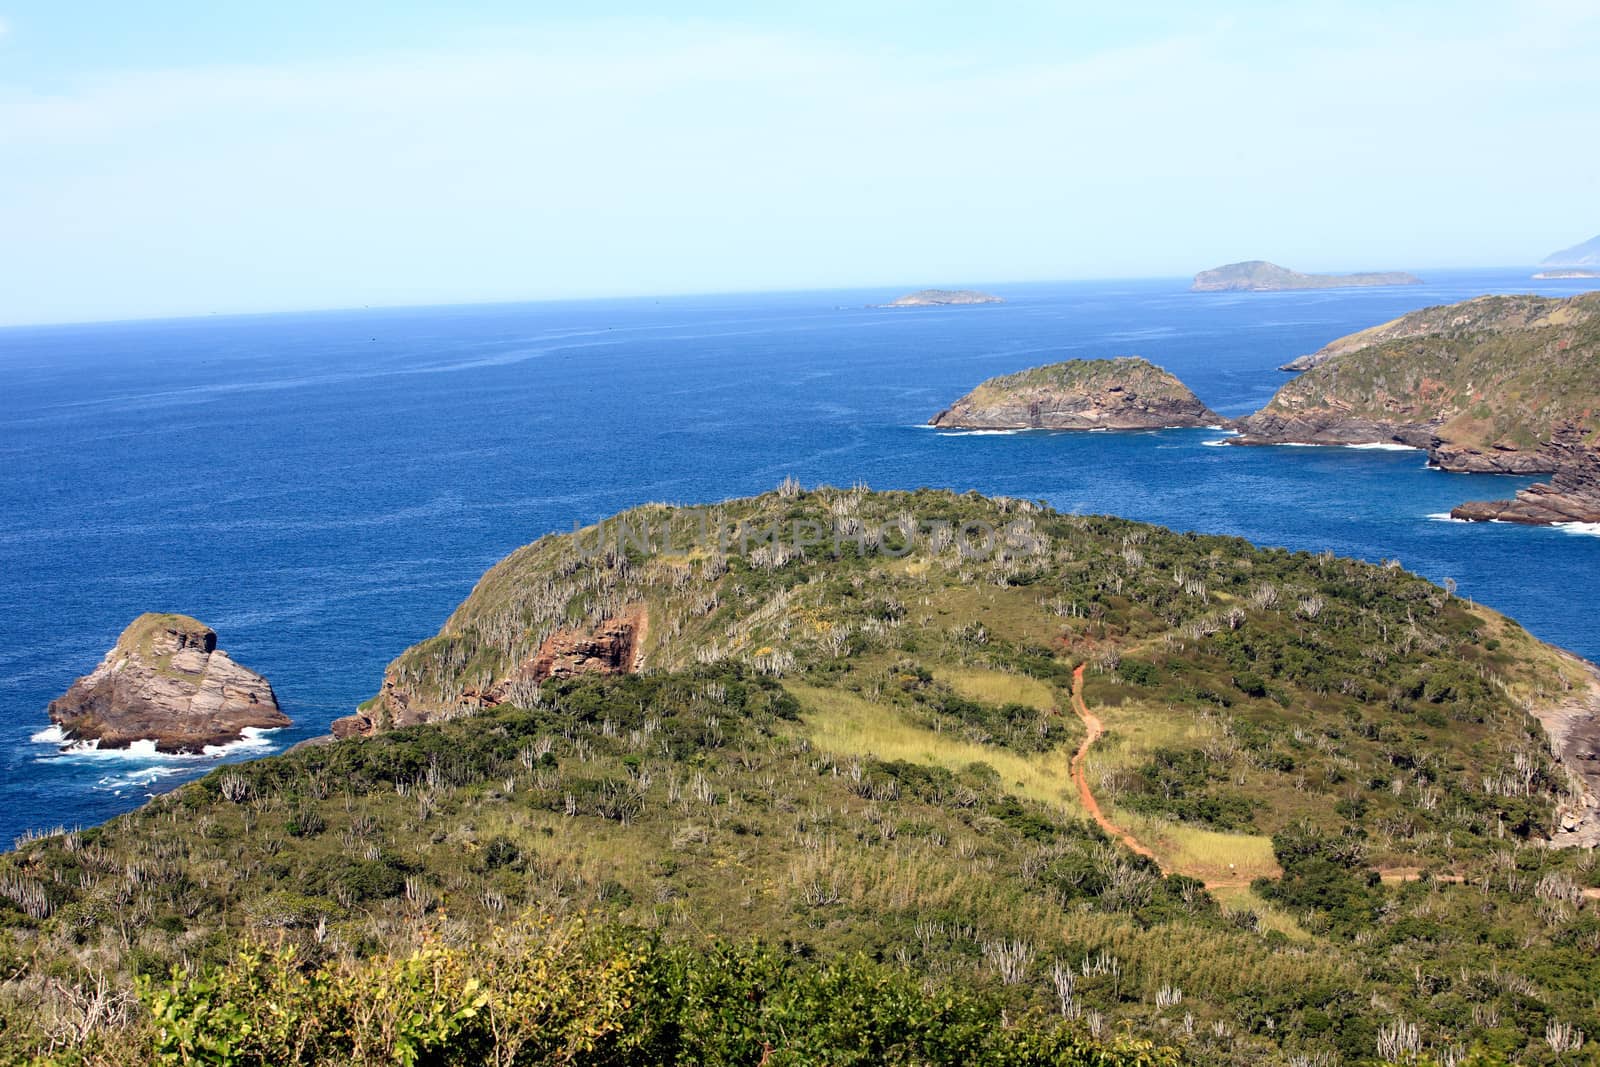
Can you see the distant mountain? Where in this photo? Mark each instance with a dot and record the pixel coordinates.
(1257, 276)
(1586, 254)
(942, 297)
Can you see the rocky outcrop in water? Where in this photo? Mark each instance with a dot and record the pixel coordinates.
(1572, 495)
(166, 681)
(1126, 393)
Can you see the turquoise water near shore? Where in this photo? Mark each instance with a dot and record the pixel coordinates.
(324, 488)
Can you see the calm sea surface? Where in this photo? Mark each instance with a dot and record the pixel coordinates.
(323, 489)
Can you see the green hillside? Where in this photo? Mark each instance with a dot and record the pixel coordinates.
(1496, 374)
(825, 812)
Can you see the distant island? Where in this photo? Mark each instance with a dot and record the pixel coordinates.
(1586, 254)
(1497, 384)
(1126, 393)
(942, 298)
(1259, 276)
(1545, 274)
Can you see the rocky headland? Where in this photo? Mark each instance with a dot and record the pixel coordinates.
(166, 681)
(1126, 393)
(1259, 276)
(1572, 495)
(942, 298)
(1483, 385)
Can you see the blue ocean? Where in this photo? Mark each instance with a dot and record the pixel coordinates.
(323, 489)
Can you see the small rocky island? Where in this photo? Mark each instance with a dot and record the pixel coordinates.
(1126, 393)
(942, 298)
(166, 681)
(1545, 275)
(1259, 276)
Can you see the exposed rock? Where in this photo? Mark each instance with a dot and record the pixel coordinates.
(166, 681)
(615, 646)
(942, 298)
(1572, 495)
(1259, 276)
(1126, 393)
(1572, 723)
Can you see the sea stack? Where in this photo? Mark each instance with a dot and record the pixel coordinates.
(166, 681)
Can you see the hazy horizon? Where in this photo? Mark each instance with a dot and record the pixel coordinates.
(177, 161)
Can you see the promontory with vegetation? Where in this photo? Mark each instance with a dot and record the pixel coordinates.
(1125, 393)
(1482, 385)
(942, 298)
(165, 681)
(1259, 276)
(837, 776)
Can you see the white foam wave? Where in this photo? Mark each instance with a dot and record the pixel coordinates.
(1386, 446)
(1445, 516)
(145, 751)
(1584, 529)
(980, 433)
(50, 735)
(1214, 444)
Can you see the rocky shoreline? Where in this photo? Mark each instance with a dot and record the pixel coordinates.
(1571, 495)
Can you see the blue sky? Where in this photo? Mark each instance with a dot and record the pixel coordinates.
(185, 158)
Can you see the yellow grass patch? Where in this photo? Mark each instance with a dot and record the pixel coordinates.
(845, 723)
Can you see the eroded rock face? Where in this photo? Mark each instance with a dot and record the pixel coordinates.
(615, 646)
(1572, 495)
(166, 681)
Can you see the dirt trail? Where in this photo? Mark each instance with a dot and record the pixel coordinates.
(1095, 728)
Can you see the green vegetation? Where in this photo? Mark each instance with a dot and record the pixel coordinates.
(832, 816)
(1133, 373)
(1494, 372)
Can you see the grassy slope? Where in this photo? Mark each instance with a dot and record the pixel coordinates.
(1492, 370)
(865, 755)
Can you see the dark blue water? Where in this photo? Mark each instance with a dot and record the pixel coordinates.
(324, 488)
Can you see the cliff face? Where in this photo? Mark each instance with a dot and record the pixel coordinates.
(1573, 495)
(1481, 385)
(613, 646)
(166, 681)
(1127, 393)
(1259, 276)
